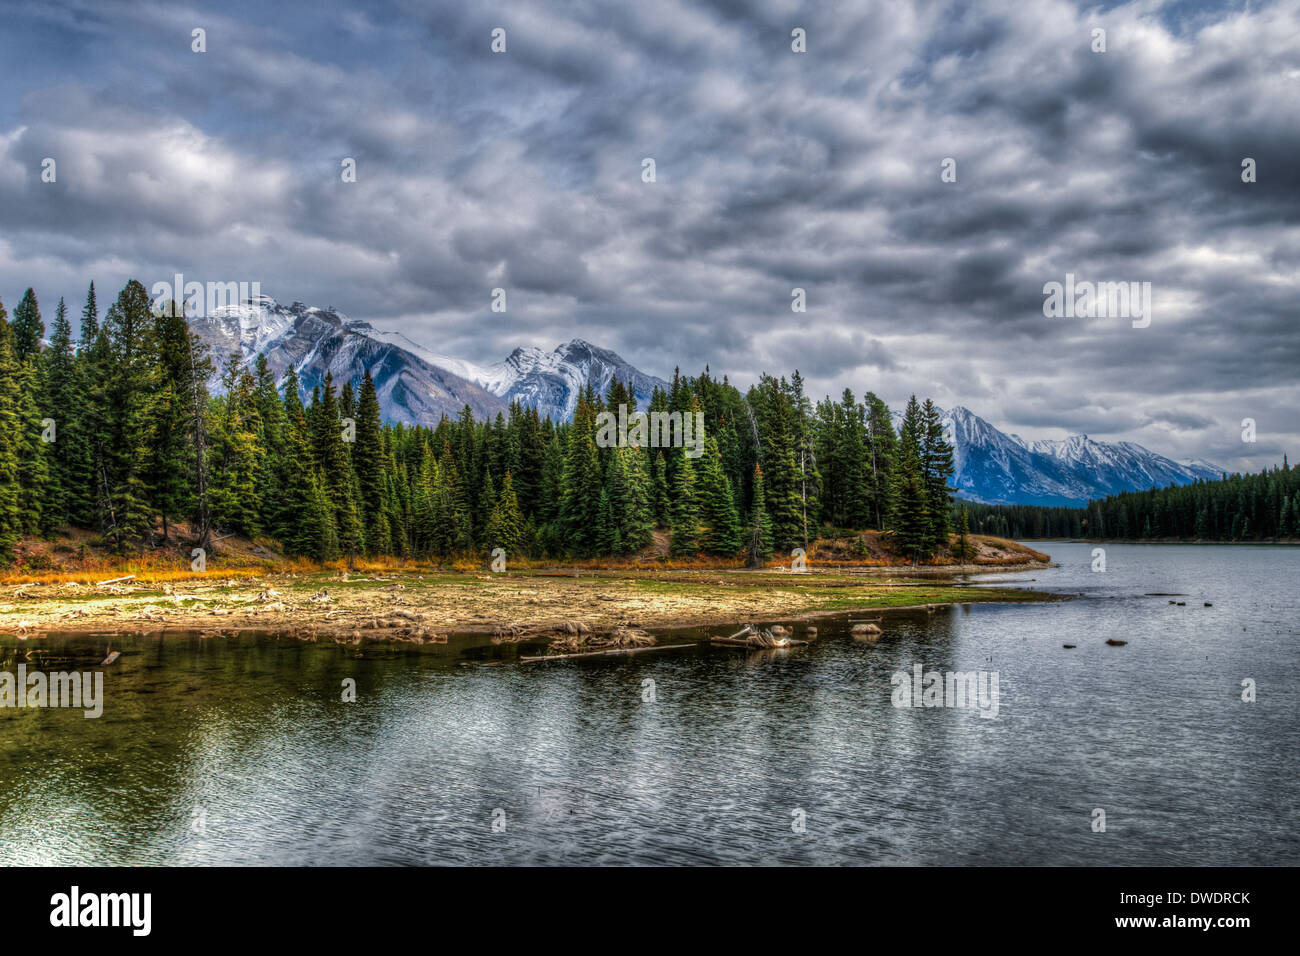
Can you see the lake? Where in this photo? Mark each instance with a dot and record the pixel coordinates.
(242, 750)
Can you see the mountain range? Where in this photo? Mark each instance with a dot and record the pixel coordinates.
(997, 468)
(415, 385)
(418, 386)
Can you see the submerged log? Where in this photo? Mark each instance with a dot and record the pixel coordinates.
(732, 642)
(611, 650)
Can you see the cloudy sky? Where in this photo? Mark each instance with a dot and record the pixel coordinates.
(774, 170)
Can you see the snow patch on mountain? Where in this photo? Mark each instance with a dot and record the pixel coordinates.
(997, 468)
(317, 342)
(414, 383)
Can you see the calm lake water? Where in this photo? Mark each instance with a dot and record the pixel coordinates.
(242, 751)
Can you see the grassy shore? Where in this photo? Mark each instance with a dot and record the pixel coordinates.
(425, 604)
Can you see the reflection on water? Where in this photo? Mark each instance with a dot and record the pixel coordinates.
(243, 751)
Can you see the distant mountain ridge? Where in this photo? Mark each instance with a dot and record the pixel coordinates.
(997, 468)
(418, 386)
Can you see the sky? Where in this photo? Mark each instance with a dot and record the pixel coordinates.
(774, 170)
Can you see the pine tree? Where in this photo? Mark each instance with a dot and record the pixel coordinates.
(28, 329)
(937, 470)
(722, 535)
(805, 456)
(336, 469)
(61, 403)
(171, 459)
(911, 521)
(882, 452)
(760, 547)
(582, 484)
(234, 452)
(271, 438)
(843, 453)
(89, 322)
(635, 512)
(367, 460)
(348, 402)
(301, 518)
(452, 532)
(77, 452)
(659, 489)
(607, 536)
(506, 525)
(488, 496)
(685, 510)
(552, 480)
(772, 403)
(11, 524)
(125, 389)
(963, 549)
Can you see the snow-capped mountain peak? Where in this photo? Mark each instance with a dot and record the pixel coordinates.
(418, 385)
(552, 381)
(998, 468)
(415, 384)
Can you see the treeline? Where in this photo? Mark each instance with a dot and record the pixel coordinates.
(116, 432)
(1262, 507)
(1026, 521)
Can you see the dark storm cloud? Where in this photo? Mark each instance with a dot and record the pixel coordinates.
(775, 170)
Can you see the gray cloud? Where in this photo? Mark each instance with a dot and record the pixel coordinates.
(775, 170)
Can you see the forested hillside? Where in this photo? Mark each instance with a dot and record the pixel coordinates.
(1262, 507)
(116, 432)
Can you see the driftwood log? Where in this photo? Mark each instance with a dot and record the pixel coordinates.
(753, 639)
(125, 577)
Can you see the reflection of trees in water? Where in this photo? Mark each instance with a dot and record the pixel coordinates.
(180, 713)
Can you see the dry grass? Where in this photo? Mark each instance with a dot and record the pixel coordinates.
(76, 557)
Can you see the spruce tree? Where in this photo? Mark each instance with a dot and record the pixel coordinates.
(34, 452)
(62, 402)
(911, 522)
(126, 371)
(336, 470)
(28, 328)
(937, 468)
(659, 489)
(506, 525)
(301, 519)
(368, 461)
(607, 536)
(488, 496)
(722, 534)
(685, 510)
(234, 452)
(636, 518)
(581, 485)
(78, 452)
(171, 463)
(772, 403)
(11, 524)
(89, 322)
(882, 452)
(759, 549)
(963, 549)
